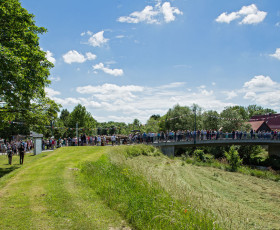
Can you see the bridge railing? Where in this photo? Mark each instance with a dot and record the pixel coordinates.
(213, 137)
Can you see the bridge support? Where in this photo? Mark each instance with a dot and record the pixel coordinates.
(274, 150)
(168, 150)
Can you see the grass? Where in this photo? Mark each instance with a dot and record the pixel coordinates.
(134, 187)
(143, 205)
(222, 164)
(237, 201)
(45, 193)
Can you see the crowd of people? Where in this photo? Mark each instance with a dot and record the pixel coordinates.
(187, 135)
(16, 148)
(21, 147)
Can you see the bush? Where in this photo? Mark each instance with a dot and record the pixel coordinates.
(233, 158)
(199, 155)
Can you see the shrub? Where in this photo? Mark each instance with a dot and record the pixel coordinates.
(233, 158)
(199, 155)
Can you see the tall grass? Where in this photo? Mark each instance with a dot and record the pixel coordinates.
(144, 205)
(268, 174)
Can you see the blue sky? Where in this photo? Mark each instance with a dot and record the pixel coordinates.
(126, 59)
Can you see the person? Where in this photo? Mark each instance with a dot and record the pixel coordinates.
(21, 152)
(113, 139)
(9, 153)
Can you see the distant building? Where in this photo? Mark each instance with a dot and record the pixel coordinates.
(259, 126)
(271, 120)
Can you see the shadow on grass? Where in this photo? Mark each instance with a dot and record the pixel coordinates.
(4, 171)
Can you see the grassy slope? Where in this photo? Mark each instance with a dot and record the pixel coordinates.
(44, 194)
(240, 201)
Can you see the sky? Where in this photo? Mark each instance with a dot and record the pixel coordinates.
(124, 59)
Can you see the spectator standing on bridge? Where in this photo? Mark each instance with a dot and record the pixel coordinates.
(233, 134)
(252, 133)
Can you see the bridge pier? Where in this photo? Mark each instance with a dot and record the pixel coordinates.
(168, 150)
(274, 150)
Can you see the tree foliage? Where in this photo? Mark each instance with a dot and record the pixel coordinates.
(24, 68)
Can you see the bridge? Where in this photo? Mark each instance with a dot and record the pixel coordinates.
(168, 147)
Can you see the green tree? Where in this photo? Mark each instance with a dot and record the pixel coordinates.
(231, 119)
(83, 118)
(24, 68)
(210, 120)
(258, 110)
(152, 125)
(233, 158)
(65, 117)
(179, 117)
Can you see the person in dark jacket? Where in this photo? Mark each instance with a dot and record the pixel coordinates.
(21, 152)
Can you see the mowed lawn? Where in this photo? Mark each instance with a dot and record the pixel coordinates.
(47, 192)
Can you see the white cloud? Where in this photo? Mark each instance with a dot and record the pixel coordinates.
(120, 36)
(227, 18)
(230, 94)
(51, 92)
(276, 54)
(109, 88)
(74, 56)
(264, 91)
(49, 56)
(254, 18)
(260, 83)
(114, 72)
(250, 15)
(169, 12)
(97, 40)
(277, 24)
(153, 15)
(126, 102)
(141, 102)
(56, 79)
(90, 56)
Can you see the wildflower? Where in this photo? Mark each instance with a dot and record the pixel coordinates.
(185, 211)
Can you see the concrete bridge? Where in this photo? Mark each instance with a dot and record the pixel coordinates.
(168, 147)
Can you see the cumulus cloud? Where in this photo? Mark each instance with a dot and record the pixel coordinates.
(249, 14)
(97, 40)
(276, 54)
(74, 56)
(263, 90)
(114, 72)
(260, 83)
(90, 56)
(109, 88)
(51, 92)
(227, 18)
(153, 14)
(49, 56)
